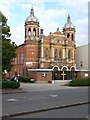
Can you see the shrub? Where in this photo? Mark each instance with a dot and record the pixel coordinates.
(80, 82)
(24, 79)
(9, 84)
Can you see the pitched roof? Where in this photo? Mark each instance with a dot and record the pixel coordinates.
(58, 33)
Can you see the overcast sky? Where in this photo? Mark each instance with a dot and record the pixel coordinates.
(50, 13)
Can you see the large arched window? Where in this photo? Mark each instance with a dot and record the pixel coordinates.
(34, 32)
(22, 59)
(46, 52)
(60, 54)
(55, 53)
(29, 31)
(72, 37)
(68, 54)
(68, 35)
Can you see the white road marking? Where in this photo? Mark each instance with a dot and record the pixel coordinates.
(53, 95)
(13, 100)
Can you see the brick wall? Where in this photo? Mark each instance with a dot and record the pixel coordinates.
(39, 76)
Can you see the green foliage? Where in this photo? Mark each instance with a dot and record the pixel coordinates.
(8, 47)
(80, 82)
(24, 79)
(8, 53)
(9, 84)
(2, 18)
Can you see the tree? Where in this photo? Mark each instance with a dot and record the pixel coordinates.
(8, 47)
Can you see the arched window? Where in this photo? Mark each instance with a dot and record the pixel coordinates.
(68, 54)
(72, 37)
(22, 59)
(55, 53)
(68, 35)
(60, 54)
(34, 32)
(29, 31)
(46, 53)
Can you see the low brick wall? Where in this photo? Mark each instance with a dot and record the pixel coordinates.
(83, 74)
(41, 76)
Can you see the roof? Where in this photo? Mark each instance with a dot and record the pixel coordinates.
(58, 33)
(32, 17)
(69, 23)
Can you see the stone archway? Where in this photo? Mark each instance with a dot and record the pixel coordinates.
(73, 72)
(64, 73)
(55, 73)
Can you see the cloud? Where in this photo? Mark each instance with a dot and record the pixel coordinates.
(81, 39)
(17, 34)
(16, 11)
(81, 31)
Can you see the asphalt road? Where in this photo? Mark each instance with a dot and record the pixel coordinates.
(80, 111)
(22, 102)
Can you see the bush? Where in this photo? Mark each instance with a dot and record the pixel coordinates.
(9, 84)
(24, 79)
(80, 82)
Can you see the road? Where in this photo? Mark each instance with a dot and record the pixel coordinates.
(23, 102)
(80, 111)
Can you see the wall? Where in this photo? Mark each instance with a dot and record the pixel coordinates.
(83, 74)
(82, 55)
(39, 76)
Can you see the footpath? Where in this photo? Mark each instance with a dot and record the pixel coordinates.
(39, 86)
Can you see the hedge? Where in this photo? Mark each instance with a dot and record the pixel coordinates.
(80, 82)
(24, 79)
(9, 84)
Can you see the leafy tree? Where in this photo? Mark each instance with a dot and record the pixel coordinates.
(8, 47)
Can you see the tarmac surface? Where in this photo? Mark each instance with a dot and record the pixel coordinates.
(36, 87)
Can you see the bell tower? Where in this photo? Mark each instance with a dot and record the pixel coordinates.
(69, 30)
(70, 47)
(31, 27)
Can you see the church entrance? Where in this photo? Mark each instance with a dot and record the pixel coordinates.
(63, 73)
(55, 73)
(73, 73)
(58, 74)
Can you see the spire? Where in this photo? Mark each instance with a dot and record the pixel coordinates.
(32, 10)
(68, 19)
(41, 31)
(58, 29)
(69, 24)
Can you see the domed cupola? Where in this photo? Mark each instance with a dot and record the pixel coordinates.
(31, 27)
(69, 29)
(69, 23)
(32, 17)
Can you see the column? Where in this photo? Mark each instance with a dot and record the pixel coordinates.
(52, 53)
(42, 54)
(63, 53)
(67, 54)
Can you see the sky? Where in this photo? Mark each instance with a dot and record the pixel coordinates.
(51, 15)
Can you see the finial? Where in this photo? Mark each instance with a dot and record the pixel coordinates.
(32, 10)
(68, 19)
(31, 5)
(41, 31)
(58, 29)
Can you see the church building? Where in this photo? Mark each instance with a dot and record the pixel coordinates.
(55, 52)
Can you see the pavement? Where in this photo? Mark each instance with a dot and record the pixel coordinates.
(39, 86)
